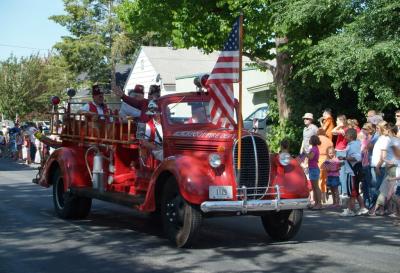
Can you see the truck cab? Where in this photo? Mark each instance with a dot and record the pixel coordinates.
(197, 176)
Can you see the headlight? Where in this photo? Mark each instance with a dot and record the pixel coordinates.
(214, 160)
(284, 159)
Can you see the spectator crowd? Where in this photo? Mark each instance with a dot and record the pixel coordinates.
(358, 166)
(19, 143)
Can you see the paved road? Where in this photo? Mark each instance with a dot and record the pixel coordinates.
(115, 239)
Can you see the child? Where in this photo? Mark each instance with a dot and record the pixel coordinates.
(353, 169)
(332, 166)
(313, 171)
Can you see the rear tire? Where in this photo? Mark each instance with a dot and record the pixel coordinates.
(181, 220)
(282, 225)
(68, 205)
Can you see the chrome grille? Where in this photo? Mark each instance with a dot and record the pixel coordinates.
(255, 166)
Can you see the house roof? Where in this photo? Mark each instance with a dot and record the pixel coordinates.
(173, 63)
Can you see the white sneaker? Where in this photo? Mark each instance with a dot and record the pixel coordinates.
(363, 211)
(347, 213)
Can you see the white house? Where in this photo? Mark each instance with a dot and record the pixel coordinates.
(175, 69)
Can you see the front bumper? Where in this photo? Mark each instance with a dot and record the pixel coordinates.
(245, 206)
(254, 203)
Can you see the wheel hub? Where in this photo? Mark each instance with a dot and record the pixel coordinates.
(175, 211)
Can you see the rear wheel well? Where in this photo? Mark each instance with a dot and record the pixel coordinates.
(52, 171)
(158, 190)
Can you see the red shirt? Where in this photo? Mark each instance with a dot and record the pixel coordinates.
(341, 142)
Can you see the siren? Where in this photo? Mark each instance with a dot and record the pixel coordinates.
(71, 92)
(201, 81)
(55, 100)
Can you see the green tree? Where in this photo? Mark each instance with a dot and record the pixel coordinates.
(276, 29)
(364, 56)
(96, 42)
(27, 84)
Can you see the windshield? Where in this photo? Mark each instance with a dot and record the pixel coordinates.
(259, 114)
(189, 113)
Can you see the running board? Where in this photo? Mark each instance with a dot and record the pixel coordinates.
(113, 197)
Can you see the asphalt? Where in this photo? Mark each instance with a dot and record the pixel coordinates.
(117, 239)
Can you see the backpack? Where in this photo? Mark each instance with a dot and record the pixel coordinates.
(357, 170)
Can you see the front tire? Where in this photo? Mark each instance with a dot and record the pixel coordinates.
(68, 205)
(181, 220)
(282, 225)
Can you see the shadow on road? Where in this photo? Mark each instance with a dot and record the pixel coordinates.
(115, 237)
(7, 164)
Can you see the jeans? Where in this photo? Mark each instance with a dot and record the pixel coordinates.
(366, 186)
(342, 174)
(376, 182)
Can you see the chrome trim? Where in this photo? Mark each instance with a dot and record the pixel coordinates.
(254, 205)
(255, 159)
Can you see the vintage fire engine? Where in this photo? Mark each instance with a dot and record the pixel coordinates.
(106, 159)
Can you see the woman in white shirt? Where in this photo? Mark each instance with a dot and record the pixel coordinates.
(379, 153)
(386, 159)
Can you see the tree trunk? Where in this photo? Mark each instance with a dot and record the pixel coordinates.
(281, 78)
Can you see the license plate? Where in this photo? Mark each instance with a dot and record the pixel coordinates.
(220, 192)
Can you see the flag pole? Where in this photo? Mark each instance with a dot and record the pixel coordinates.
(239, 165)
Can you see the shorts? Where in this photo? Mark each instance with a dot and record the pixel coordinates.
(313, 174)
(353, 187)
(333, 181)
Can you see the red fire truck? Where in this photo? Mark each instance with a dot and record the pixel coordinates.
(107, 159)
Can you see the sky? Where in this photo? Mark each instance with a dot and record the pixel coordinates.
(25, 28)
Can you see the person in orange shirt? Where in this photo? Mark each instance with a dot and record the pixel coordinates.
(325, 143)
(327, 122)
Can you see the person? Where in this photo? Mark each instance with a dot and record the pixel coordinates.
(386, 190)
(314, 171)
(27, 146)
(353, 170)
(2, 144)
(365, 137)
(353, 123)
(142, 104)
(154, 133)
(127, 110)
(284, 146)
(325, 143)
(397, 124)
(199, 114)
(97, 106)
(396, 188)
(15, 141)
(327, 123)
(340, 147)
(332, 166)
(30, 130)
(309, 130)
(377, 159)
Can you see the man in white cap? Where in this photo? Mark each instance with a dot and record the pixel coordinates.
(309, 130)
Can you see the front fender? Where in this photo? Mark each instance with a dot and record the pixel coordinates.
(72, 167)
(193, 175)
(290, 178)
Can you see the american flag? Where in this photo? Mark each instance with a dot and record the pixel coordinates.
(220, 82)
